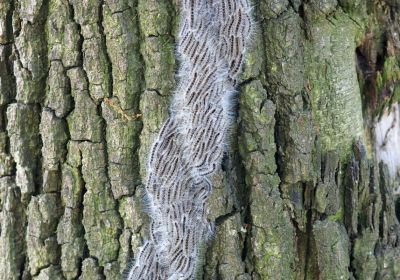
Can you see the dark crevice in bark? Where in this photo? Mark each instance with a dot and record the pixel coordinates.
(352, 269)
(43, 14)
(23, 266)
(217, 274)
(243, 83)
(295, 7)
(244, 203)
(278, 157)
(372, 190)
(309, 236)
(9, 25)
(104, 47)
(247, 227)
(105, 125)
(79, 29)
(304, 21)
(383, 190)
(351, 176)
(397, 209)
(85, 246)
(157, 91)
(221, 219)
(142, 86)
(9, 81)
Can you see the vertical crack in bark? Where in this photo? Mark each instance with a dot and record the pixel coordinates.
(104, 47)
(10, 96)
(44, 16)
(72, 18)
(103, 40)
(309, 236)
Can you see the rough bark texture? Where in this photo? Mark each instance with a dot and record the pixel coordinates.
(85, 86)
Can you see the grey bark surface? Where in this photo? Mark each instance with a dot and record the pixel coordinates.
(86, 85)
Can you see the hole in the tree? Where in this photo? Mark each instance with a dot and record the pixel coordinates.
(367, 77)
(362, 62)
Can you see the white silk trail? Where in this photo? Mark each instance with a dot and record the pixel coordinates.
(212, 41)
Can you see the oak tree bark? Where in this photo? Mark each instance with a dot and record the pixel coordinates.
(85, 86)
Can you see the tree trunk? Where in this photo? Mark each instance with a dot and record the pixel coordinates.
(85, 86)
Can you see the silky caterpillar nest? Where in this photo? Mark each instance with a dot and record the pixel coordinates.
(212, 41)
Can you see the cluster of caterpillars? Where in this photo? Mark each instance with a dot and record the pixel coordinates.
(212, 41)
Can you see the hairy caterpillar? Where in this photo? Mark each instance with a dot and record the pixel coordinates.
(212, 41)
